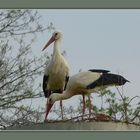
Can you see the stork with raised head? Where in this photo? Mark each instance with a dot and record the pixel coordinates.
(57, 71)
(87, 82)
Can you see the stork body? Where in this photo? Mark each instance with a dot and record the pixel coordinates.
(56, 74)
(57, 71)
(87, 82)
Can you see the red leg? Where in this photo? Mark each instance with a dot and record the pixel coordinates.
(61, 106)
(46, 111)
(89, 105)
(83, 110)
(49, 93)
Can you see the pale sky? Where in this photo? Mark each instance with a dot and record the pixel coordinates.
(97, 39)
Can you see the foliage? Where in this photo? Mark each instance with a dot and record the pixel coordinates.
(19, 69)
(121, 108)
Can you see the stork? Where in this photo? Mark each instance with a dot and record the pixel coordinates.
(57, 71)
(87, 82)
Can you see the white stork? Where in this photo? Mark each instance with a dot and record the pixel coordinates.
(57, 71)
(87, 82)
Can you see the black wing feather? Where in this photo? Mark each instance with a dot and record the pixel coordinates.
(66, 81)
(107, 79)
(45, 80)
(99, 70)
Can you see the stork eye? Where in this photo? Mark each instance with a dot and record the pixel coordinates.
(56, 34)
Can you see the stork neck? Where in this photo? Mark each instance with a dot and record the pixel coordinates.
(64, 95)
(57, 44)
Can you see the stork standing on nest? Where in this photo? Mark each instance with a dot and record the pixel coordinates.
(85, 83)
(57, 71)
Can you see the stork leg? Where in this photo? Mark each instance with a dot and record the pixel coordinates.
(49, 93)
(61, 106)
(89, 105)
(46, 111)
(83, 110)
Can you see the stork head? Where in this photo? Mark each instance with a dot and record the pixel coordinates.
(51, 100)
(55, 36)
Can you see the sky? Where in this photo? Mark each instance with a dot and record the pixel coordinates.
(97, 39)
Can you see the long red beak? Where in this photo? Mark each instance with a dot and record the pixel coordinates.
(49, 106)
(52, 39)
